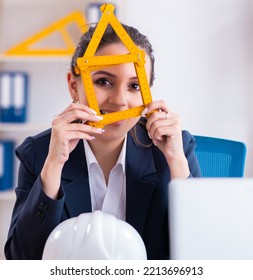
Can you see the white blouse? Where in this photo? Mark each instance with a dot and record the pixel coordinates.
(110, 199)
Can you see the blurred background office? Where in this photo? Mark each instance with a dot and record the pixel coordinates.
(204, 66)
(204, 59)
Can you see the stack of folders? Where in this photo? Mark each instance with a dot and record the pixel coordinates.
(6, 164)
(13, 97)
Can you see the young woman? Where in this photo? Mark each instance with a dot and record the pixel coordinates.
(123, 169)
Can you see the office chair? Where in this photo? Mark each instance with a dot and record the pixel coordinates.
(220, 157)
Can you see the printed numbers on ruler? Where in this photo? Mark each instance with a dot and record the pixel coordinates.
(89, 62)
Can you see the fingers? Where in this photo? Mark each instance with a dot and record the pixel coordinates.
(82, 131)
(155, 106)
(161, 121)
(159, 126)
(74, 106)
(77, 113)
(66, 134)
(71, 123)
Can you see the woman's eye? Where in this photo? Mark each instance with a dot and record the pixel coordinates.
(103, 82)
(135, 87)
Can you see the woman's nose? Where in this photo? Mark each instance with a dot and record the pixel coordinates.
(118, 97)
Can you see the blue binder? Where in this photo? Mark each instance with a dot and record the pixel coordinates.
(13, 97)
(6, 164)
(93, 12)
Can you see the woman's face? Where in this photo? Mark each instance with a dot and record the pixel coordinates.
(117, 89)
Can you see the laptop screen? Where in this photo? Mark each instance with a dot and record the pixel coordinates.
(211, 218)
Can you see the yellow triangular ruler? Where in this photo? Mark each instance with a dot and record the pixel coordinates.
(28, 46)
(90, 62)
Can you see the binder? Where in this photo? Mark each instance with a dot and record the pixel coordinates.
(5, 97)
(93, 12)
(13, 97)
(6, 164)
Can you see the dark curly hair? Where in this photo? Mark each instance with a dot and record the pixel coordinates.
(110, 37)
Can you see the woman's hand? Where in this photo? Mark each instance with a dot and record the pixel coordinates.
(164, 129)
(66, 133)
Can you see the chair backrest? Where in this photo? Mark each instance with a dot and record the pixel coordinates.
(220, 157)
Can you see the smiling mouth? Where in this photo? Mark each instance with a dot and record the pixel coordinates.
(104, 112)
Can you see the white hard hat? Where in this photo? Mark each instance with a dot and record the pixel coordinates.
(94, 236)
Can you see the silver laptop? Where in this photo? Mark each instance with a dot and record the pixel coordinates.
(211, 219)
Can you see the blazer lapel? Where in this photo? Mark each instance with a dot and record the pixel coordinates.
(75, 181)
(139, 188)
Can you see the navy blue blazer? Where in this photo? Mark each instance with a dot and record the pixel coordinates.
(35, 215)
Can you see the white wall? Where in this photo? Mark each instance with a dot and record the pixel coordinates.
(204, 63)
